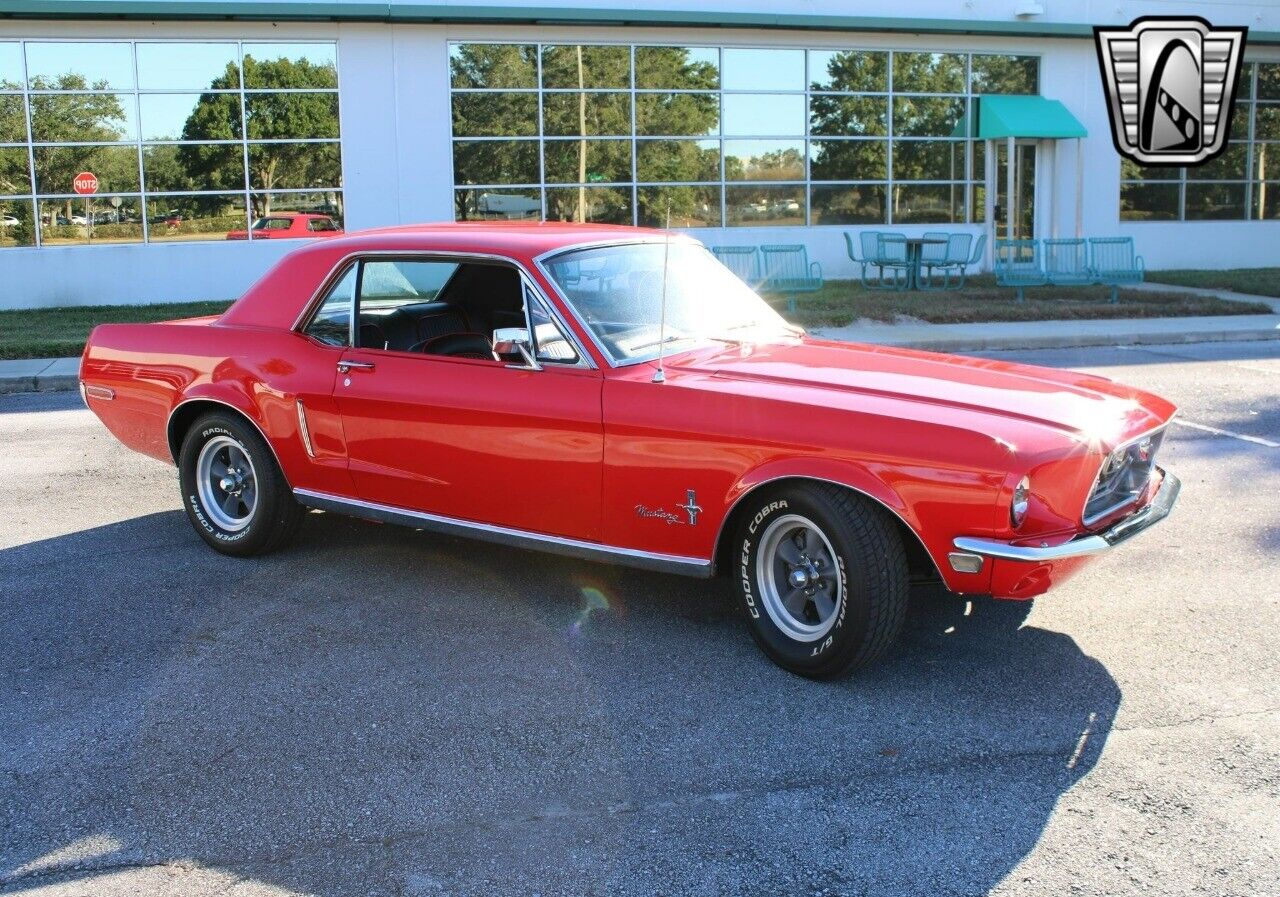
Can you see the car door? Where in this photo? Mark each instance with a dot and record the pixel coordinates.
(501, 443)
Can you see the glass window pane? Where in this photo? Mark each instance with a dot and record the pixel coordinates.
(848, 70)
(86, 220)
(172, 167)
(677, 68)
(493, 66)
(332, 321)
(83, 117)
(1005, 74)
(495, 115)
(1132, 171)
(284, 66)
(578, 66)
(292, 166)
(92, 65)
(184, 218)
(1148, 202)
(495, 162)
(926, 116)
(764, 160)
(849, 204)
(327, 203)
(587, 161)
(977, 203)
(589, 114)
(389, 284)
(678, 114)
(1240, 121)
(10, 66)
(764, 114)
(13, 119)
(758, 206)
(15, 173)
(758, 69)
(678, 160)
(188, 65)
(688, 206)
(839, 116)
(1230, 166)
(1268, 81)
(928, 73)
(497, 205)
(278, 116)
(928, 160)
(1266, 160)
(1266, 200)
(928, 203)
(16, 228)
(601, 205)
(848, 160)
(1214, 202)
(115, 166)
(1266, 124)
(190, 116)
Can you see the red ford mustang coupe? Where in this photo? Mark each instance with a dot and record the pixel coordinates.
(617, 395)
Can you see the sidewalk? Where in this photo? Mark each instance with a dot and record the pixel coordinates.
(39, 374)
(49, 374)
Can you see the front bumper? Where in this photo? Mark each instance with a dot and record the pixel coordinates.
(1083, 545)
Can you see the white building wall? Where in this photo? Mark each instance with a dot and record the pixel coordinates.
(397, 159)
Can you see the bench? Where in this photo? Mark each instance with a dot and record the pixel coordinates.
(743, 261)
(787, 270)
(1114, 263)
(1066, 262)
(1017, 265)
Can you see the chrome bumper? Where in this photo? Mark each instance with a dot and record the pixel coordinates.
(1094, 543)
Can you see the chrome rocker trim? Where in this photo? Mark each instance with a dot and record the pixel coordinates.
(515, 538)
(1095, 543)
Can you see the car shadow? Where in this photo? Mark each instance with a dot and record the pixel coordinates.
(378, 711)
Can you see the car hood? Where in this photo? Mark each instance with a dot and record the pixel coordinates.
(1083, 405)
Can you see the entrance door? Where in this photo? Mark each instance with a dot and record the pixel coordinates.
(1024, 190)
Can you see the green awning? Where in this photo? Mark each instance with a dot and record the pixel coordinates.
(1020, 116)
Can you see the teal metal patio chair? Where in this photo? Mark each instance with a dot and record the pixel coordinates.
(891, 255)
(933, 256)
(787, 270)
(1114, 263)
(1018, 265)
(743, 261)
(1066, 262)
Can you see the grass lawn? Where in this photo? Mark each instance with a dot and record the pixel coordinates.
(841, 302)
(61, 332)
(1252, 281)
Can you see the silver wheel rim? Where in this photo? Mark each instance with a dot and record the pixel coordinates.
(798, 578)
(227, 483)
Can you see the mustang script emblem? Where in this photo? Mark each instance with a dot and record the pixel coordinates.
(690, 507)
(1170, 84)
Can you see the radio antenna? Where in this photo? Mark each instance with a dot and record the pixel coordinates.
(660, 376)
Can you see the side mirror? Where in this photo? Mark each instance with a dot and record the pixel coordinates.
(508, 341)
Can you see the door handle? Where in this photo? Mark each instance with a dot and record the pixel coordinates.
(345, 367)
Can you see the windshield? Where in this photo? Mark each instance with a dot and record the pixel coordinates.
(617, 291)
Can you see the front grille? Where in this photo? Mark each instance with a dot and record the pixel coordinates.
(1123, 477)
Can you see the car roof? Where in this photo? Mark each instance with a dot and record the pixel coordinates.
(520, 238)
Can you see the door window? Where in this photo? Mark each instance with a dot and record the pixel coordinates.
(552, 345)
(331, 324)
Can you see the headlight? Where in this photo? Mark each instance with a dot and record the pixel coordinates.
(1021, 501)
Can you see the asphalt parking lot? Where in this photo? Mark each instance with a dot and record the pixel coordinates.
(376, 711)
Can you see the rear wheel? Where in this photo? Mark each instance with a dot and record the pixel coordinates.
(821, 576)
(233, 491)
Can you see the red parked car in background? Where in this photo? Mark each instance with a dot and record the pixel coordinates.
(615, 394)
(289, 226)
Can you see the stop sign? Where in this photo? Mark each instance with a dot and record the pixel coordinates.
(85, 182)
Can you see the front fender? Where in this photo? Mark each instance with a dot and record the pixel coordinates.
(924, 503)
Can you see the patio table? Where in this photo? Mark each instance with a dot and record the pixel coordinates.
(914, 247)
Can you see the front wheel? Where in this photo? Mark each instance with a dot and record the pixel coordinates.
(822, 578)
(232, 489)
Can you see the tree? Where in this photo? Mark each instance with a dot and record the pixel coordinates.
(271, 116)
